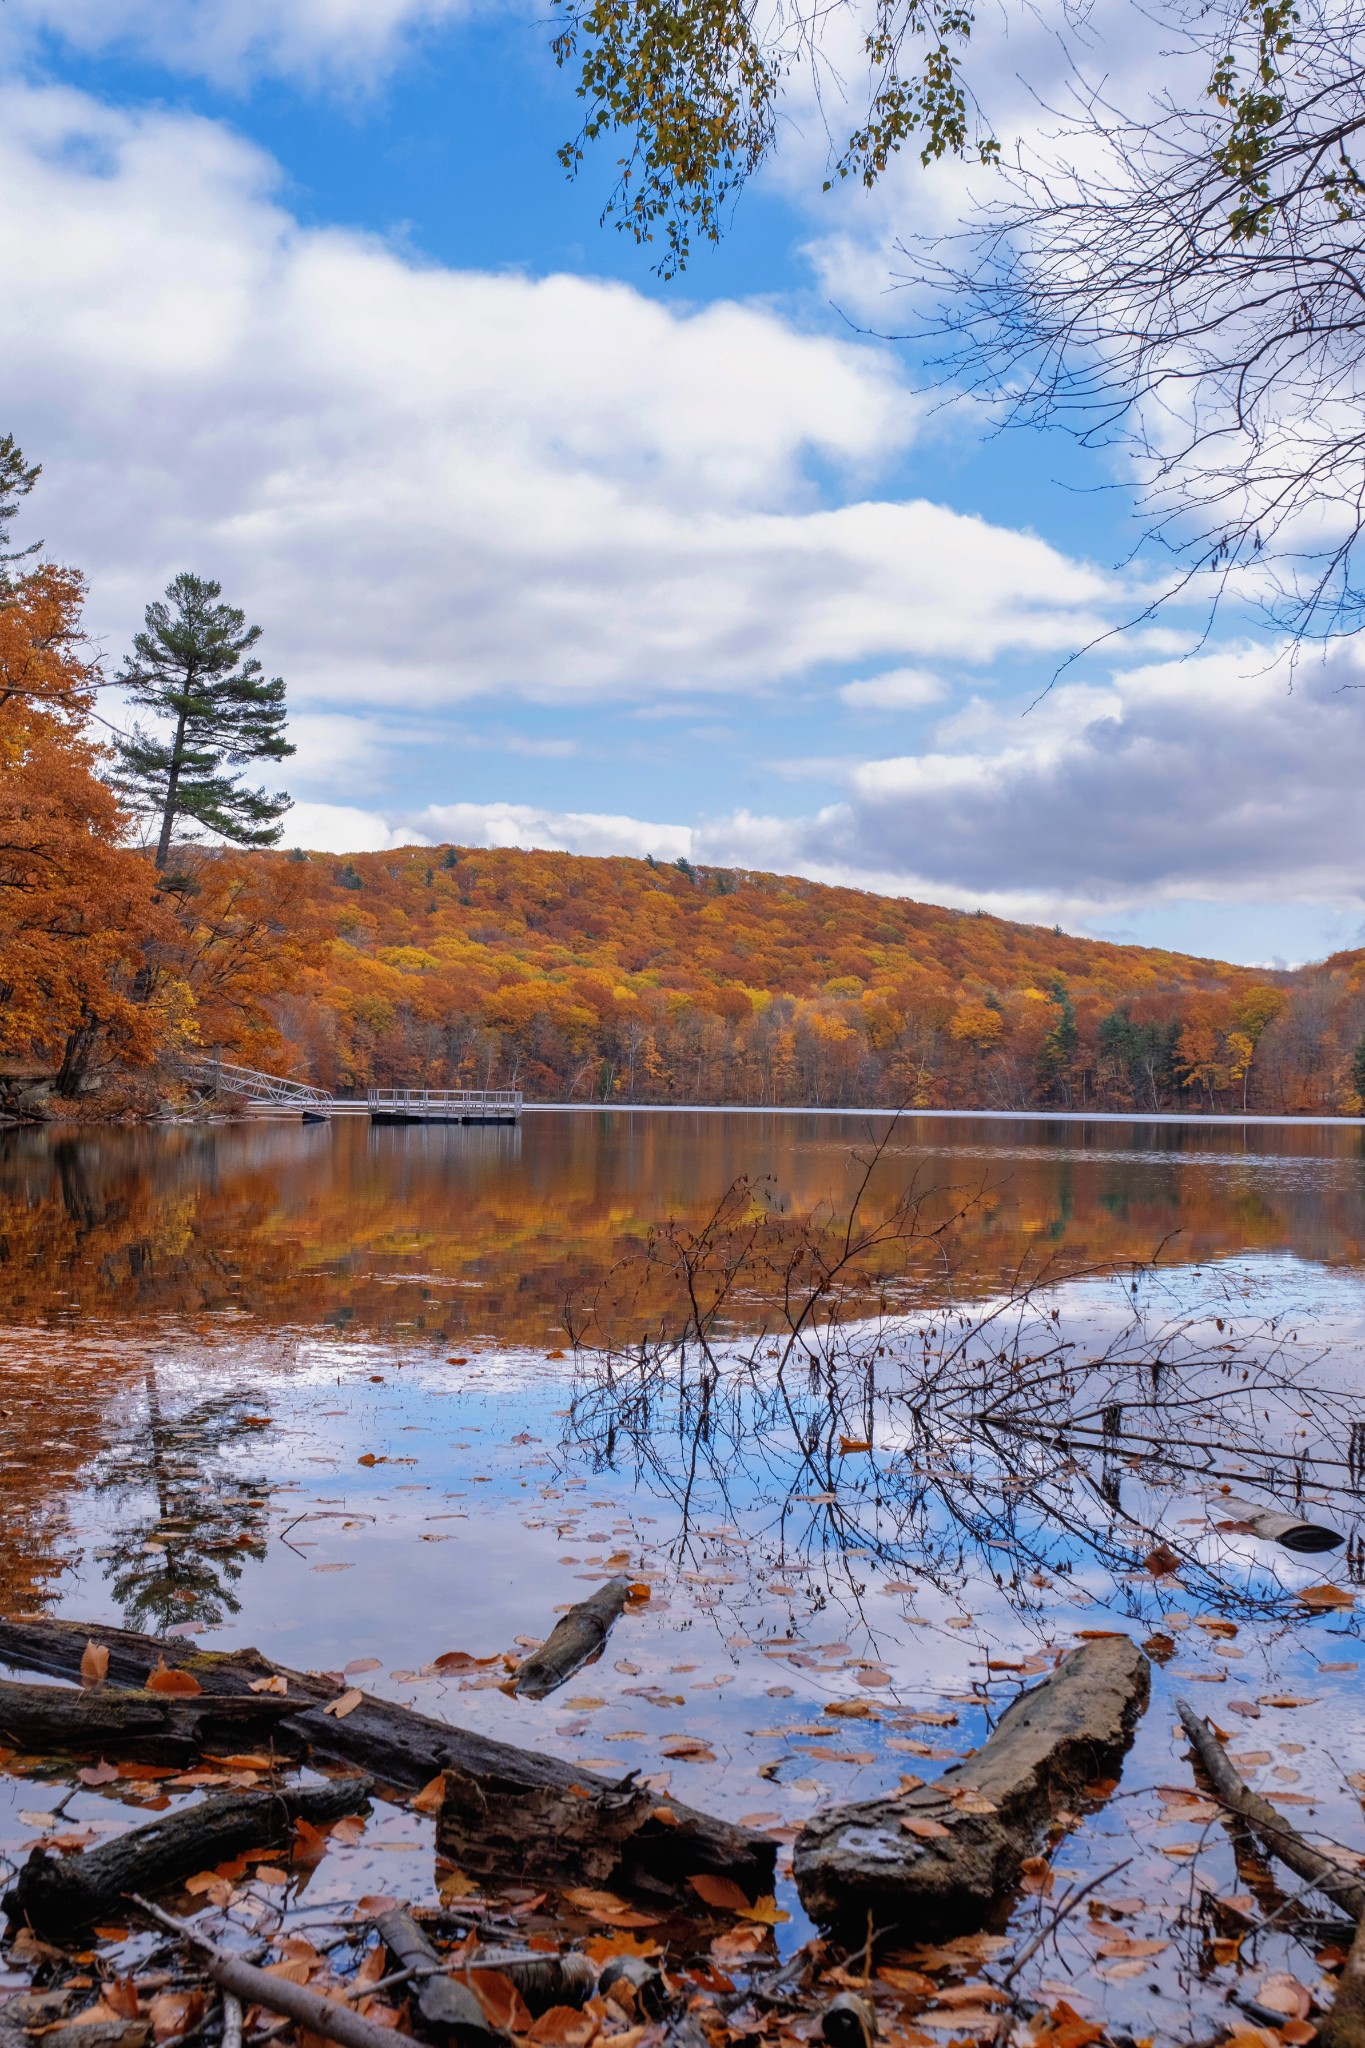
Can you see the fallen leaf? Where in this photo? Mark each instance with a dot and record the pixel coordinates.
(1035, 1875)
(174, 2012)
(563, 2026)
(1321, 1598)
(310, 1844)
(976, 1993)
(906, 1983)
(1120, 1944)
(737, 1945)
(1161, 1561)
(503, 2005)
(277, 1684)
(849, 1444)
(928, 1830)
(94, 1664)
(431, 1798)
(1284, 1993)
(687, 1749)
(358, 1664)
(765, 1912)
(1283, 1699)
(345, 1704)
(453, 1884)
(373, 1904)
(639, 1590)
(165, 1680)
(98, 1774)
(601, 1948)
(349, 1831)
(120, 1995)
(849, 1710)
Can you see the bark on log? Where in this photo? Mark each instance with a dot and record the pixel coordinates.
(1278, 1836)
(407, 1750)
(50, 1717)
(1344, 2026)
(57, 1894)
(575, 1640)
(983, 1816)
(1273, 1526)
(578, 1829)
(447, 2009)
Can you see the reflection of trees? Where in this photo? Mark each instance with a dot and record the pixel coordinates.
(1005, 1442)
(178, 1557)
(456, 1236)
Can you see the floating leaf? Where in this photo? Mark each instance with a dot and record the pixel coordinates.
(358, 1664)
(765, 1912)
(98, 1774)
(345, 1704)
(849, 1710)
(1161, 1561)
(1322, 1598)
(849, 1444)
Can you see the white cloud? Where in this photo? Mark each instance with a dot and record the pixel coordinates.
(342, 828)
(231, 41)
(430, 484)
(900, 689)
(559, 831)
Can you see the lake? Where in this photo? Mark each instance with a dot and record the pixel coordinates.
(316, 1389)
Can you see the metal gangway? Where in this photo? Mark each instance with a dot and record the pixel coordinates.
(444, 1105)
(262, 1093)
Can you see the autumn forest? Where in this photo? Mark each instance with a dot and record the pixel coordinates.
(573, 979)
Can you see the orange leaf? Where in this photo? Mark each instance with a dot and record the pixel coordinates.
(94, 1664)
(927, 1830)
(503, 2005)
(431, 1798)
(277, 1684)
(719, 1891)
(563, 2026)
(345, 1703)
(182, 1683)
(120, 1995)
(98, 1774)
(310, 1844)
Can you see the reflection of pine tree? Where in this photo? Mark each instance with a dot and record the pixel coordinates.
(176, 1557)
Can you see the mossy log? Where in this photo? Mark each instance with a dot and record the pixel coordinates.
(939, 1858)
(56, 1895)
(406, 1750)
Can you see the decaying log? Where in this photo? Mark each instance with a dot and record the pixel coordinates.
(542, 1980)
(448, 2009)
(940, 1856)
(407, 1750)
(56, 1894)
(1279, 1837)
(575, 1640)
(1274, 1526)
(1344, 2026)
(577, 1829)
(849, 2021)
(51, 1717)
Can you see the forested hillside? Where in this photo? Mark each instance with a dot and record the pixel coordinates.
(624, 980)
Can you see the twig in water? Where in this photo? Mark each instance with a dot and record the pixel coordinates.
(1069, 1903)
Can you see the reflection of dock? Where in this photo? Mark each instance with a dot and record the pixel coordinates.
(444, 1105)
(262, 1094)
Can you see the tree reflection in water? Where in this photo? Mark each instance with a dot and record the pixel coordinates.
(188, 1518)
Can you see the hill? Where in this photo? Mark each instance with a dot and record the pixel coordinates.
(625, 980)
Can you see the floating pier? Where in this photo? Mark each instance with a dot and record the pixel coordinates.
(272, 1095)
(444, 1105)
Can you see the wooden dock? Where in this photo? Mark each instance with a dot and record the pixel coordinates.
(259, 1094)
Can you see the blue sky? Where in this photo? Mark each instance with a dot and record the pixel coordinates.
(553, 552)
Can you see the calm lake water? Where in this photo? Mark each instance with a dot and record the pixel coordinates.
(311, 1388)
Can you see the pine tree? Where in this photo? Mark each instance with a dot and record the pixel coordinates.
(194, 668)
(17, 479)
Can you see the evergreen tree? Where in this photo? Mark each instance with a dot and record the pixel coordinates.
(193, 667)
(1358, 1070)
(17, 479)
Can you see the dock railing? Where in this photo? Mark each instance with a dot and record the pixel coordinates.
(445, 1102)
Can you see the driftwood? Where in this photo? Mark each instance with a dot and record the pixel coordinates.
(939, 1857)
(576, 1639)
(1273, 1526)
(576, 1829)
(407, 1750)
(51, 1717)
(56, 1894)
(1277, 1834)
(447, 2009)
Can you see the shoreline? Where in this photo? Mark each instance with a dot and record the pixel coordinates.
(1017, 1116)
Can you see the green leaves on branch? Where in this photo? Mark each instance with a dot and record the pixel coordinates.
(696, 87)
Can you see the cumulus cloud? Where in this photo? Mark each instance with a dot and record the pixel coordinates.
(230, 41)
(900, 689)
(431, 484)
(559, 831)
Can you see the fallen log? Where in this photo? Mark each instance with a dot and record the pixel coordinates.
(54, 1895)
(1272, 1525)
(1277, 1835)
(407, 1750)
(1344, 2026)
(49, 1717)
(940, 1856)
(575, 1640)
(446, 2008)
(580, 1829)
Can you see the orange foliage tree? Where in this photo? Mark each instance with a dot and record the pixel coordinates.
(76, 905)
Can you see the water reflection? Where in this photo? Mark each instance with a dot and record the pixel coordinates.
(458, 1234)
